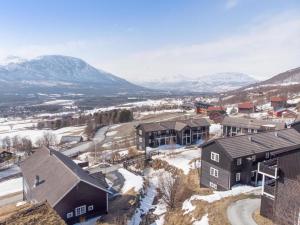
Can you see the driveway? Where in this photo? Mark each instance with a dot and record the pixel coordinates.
(240, 212)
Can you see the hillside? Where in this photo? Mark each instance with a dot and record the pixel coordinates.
(56, 74)
(213, 83)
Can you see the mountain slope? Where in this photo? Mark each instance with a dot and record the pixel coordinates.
(54, 73)
(212, 83)
(289, 77)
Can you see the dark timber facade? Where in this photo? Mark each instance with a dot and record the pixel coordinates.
(229, 161)
(233, 126)
(183, 132)
(280, 200)
(75, 195)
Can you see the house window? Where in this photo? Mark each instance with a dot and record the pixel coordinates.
(255, 131)
(239, 161)
(91, 208)
(69, 215)
(214, 172)
(249, 131)
(253, 158)
(140, 132)
(253, 173)
(213, 185)
(214, 156)
(237, 177)
(140, 140)
(267, 155)
(158, 132)
(80, 210)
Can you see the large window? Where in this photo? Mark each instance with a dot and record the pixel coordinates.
(267, 155)
(214, 172)
(239, 161)
(215, 156)
(80, 210)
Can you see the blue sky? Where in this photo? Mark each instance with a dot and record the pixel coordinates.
(149, 39)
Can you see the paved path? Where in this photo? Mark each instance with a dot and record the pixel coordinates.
(240, 212)
(89, 145)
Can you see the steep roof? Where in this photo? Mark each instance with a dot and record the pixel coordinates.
(246, 105)
(278, 99)
(247, 145)
(57, 173)
(250, 123)
(173, 125)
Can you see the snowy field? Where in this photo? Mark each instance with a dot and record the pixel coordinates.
(132, 181)
(35, 135)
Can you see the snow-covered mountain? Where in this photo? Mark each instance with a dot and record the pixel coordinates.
(54, 73)
(212, 83)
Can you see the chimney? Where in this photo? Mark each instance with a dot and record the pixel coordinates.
(37, 180)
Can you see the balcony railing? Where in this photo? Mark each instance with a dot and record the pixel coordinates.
(268, 168)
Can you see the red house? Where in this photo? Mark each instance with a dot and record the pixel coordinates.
(246, 107)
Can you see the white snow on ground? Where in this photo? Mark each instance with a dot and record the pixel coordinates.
(111, 133)
(91, 221)
(145, 206)
(188, 207)
(11, 186)
(155, 102)
(59, 102)
(215, 129)
(10, 171)
(131, 181)
(115, 126)
(203, 221)
(181, 160)
(35, 135)
(294, 101)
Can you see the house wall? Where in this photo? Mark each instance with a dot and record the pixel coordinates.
(82, 194)
(266, 207)
(223, 166)
(287, 197)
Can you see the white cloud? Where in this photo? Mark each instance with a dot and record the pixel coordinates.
(231, 4)
(269, 46)
(261, 50)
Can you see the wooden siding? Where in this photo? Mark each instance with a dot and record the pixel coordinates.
(82, 194)
(266, 207)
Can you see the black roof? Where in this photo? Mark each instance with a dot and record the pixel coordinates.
(58, 175)
(247, 145)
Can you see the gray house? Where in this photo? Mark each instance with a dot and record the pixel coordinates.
(229, 161)
(183, 132)
(75, 195)
(237, 126)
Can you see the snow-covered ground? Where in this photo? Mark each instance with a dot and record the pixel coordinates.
(203, 221)
(59, 102)
(35, 135)
(11, 186)
(181, 159)
(132, 181)
(111, 133)
(188, 207)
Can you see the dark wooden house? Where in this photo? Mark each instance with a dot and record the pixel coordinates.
(246, 107)
(229, 161)
(5, 155)
(233, 126)
(278, 102)
(216, 113)
(280, 199)
(183, 132)
(51, 176)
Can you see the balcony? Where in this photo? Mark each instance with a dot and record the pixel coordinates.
(269, 188)
(268, 168)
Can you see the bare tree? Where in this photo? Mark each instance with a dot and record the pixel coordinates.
(48, 139)
(169, 187)
(26, 145)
